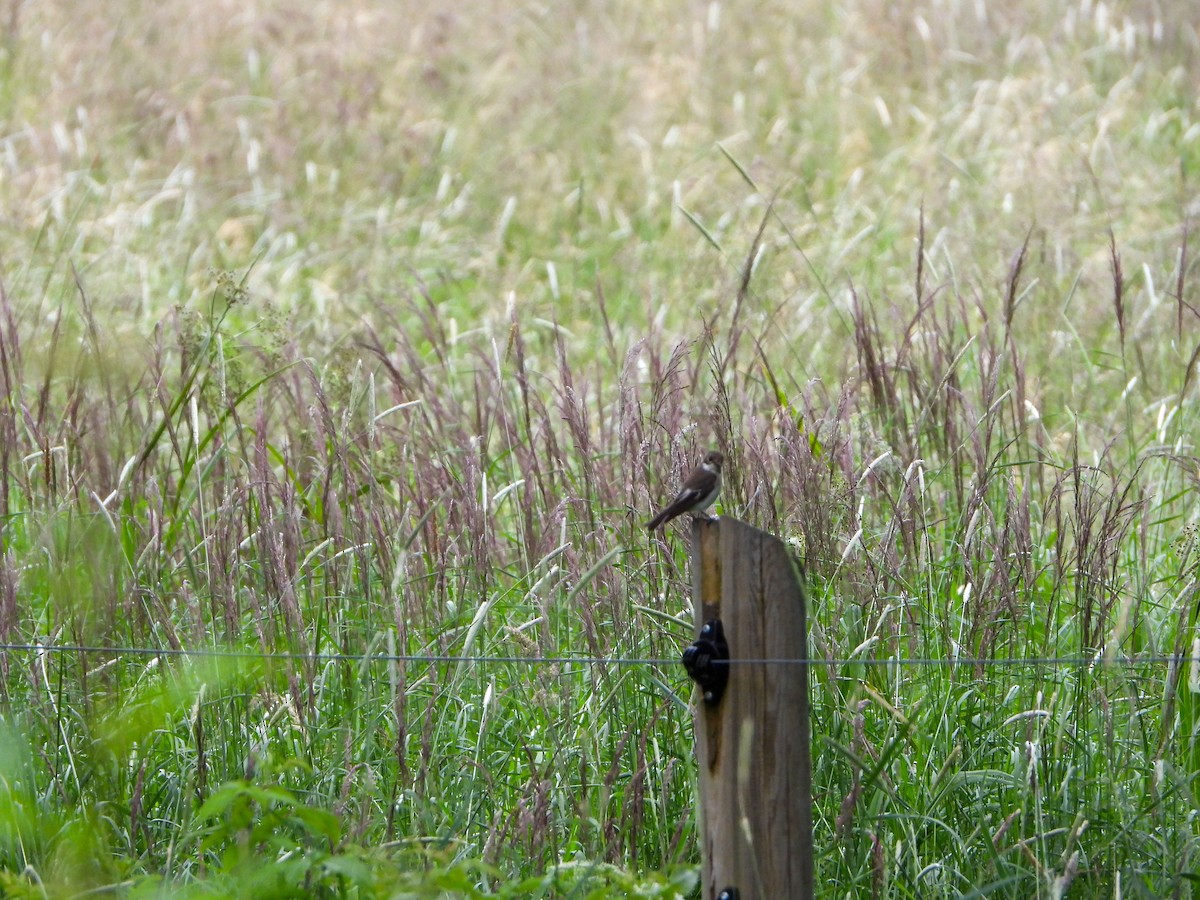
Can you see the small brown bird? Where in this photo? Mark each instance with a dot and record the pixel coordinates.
(699, 491)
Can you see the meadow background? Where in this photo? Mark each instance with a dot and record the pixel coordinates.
(334, 332)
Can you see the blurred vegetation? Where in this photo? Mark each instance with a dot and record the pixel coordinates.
(338, 334)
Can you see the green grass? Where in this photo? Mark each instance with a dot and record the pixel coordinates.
(336, 335)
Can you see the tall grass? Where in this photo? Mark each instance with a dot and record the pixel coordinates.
(341, 346)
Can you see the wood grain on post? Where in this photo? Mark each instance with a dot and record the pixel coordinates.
(752, 747)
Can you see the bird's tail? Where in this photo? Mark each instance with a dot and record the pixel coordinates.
(658, 521)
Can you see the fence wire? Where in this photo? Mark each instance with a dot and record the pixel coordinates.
(1060, 662)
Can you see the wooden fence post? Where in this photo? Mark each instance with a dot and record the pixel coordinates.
(752, 735)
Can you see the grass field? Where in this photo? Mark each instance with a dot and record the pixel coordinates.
(337, 332)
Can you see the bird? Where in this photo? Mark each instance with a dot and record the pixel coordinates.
(699, 490)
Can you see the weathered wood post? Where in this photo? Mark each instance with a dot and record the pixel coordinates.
(752, 733)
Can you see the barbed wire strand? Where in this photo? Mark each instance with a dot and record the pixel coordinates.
(1000, 662)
